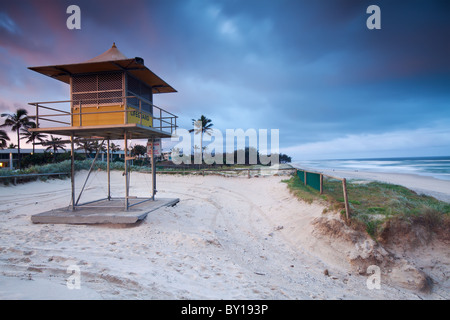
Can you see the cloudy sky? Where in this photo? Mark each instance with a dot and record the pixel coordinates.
(310, 68)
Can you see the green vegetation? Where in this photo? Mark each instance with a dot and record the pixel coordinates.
(284, 158)
(305, 193)
(62, 167)
(375, 203)
(39, 159)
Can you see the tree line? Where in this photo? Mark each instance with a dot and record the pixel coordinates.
(204, 125)
(20, 123)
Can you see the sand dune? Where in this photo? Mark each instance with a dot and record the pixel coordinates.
(440, 189)
(227, 238)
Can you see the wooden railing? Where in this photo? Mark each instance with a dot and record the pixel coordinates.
(161, 119)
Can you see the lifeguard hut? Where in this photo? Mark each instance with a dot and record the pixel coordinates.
(111, 98)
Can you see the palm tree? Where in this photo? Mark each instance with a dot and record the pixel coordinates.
(99, 146)
(17, 121)
(113, 148)
(86, 145)
(202, 125)
(32, 136)
(3, 138)
(54, 143)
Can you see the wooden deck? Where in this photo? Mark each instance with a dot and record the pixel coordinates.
(104, 212)
(112, 132)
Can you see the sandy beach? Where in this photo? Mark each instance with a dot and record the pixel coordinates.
(227, 238)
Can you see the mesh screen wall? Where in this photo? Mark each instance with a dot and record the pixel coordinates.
(139, 89)
(97, 89)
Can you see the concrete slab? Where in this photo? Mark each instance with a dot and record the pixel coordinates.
(103, 212)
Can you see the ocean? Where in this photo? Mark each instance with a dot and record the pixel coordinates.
(438, 167)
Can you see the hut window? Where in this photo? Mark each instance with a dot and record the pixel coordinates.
(141, 91)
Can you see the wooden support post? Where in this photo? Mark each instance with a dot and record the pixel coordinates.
(140, 111)
(126, 170)
(344, 188)
(37, 115)
(72, 169)
(108, 169)
(304, 175)
(80, 115)
(153, 170)
(97, 151)
(321, 183)
(248, 173)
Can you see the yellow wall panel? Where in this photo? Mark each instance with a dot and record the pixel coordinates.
(135, 117)
(108, 115)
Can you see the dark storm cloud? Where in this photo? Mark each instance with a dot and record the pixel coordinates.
(310, 68)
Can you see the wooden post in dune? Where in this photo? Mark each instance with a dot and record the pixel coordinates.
(344, 188)
(321, 183)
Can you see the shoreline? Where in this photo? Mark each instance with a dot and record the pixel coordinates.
(428, 185)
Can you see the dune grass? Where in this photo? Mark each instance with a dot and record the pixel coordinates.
(374, 203)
